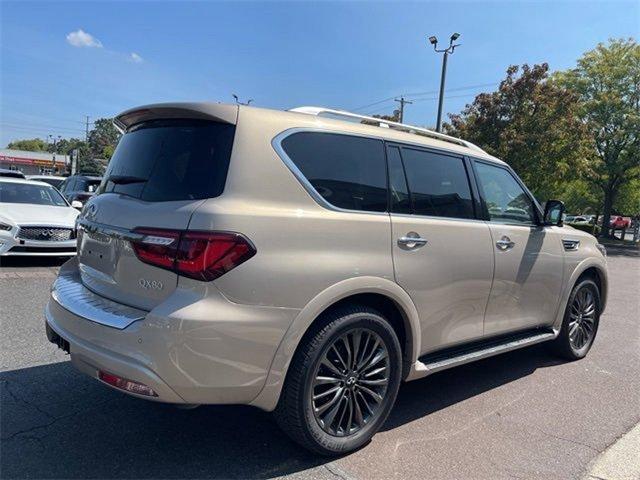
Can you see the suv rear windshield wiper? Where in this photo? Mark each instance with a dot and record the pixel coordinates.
(125, 179)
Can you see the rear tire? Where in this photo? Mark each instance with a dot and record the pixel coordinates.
(581, 321)
(342, 382)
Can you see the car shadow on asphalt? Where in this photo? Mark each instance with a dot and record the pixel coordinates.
(57, 423)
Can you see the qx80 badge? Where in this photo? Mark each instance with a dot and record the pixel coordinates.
(150, 284)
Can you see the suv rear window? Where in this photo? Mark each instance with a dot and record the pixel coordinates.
(165, 160)
(348, 172)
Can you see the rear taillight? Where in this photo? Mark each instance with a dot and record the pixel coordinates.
(195, 254)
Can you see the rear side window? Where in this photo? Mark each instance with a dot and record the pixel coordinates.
(167, 160)
(348, 172)
(438, 184)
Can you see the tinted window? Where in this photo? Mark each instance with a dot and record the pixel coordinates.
(33, 194)
(506, 201)
(171, 160)
(348, 172)
(438, 184)
(397, 182)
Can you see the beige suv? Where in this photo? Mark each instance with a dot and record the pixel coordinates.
(306, 262)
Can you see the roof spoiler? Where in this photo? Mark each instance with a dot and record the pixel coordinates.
(217, 112)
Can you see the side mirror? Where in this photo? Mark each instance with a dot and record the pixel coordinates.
(554, 213)
(77, 204)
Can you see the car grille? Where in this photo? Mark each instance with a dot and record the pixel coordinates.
(47, 234)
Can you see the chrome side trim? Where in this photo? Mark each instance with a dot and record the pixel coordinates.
(108, 230)
(420, 369)
(570, 245)
(69, 292)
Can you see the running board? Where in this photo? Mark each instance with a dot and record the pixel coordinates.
(453, 357)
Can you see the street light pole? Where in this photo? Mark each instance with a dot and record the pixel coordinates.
(447, 51)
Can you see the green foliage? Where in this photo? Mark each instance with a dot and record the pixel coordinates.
(530, 122)
(103, 138)
(580, 197)
(592, 229)
(29, 145)
(607, 82)
(628, 199)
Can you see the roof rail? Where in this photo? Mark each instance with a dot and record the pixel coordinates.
(348, 116)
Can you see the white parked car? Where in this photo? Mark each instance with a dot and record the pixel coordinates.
(35, 219)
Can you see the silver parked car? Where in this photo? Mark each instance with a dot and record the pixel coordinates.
(307, 262)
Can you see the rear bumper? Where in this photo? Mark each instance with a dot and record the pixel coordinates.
(189, 349)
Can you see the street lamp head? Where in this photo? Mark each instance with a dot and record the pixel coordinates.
(455, 36)
(433, 40)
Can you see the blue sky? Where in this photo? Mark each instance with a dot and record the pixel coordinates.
(61, 61)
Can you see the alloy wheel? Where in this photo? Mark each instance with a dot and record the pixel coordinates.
(350, 382)
(582, 318)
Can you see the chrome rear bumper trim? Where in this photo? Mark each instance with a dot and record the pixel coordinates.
(69, 292)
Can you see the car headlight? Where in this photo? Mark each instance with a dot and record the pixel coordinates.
(5, 226)
(602, 248)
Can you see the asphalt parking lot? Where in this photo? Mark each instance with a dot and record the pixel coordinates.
(525, 414)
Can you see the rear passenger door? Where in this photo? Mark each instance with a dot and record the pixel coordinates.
(442, 252)
(528, 256)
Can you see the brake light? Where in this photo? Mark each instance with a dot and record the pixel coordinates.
(194, 254)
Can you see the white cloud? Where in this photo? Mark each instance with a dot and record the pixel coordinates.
(80, 38)
(135, 58)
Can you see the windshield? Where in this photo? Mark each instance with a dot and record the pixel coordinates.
(27, 193)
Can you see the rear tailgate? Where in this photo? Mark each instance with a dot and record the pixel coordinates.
(164, 167)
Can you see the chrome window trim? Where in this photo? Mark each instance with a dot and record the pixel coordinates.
(276, 143)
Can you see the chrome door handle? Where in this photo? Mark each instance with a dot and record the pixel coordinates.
(505, 243)
(412, 240)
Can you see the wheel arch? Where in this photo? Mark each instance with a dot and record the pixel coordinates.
(590, 267)
(379, 293)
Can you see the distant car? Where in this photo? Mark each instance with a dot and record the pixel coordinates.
(580, 219)
(50, 179)
(80, 187)
(618, 222)
(5, 172)
(35, 219)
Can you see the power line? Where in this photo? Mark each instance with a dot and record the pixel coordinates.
(431, 92)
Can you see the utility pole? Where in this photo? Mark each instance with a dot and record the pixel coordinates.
(55, 150)
(447, 51)
(402, 102)
(86, 141)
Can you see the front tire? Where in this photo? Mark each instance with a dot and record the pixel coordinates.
(581, 321)
(342, 382)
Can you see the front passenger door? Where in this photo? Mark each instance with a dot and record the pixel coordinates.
(528, 256)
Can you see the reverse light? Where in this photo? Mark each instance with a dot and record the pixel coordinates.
(125, 384)
(195, 254)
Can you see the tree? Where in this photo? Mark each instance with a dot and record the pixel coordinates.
(607, 81)
(530, 122)
(30, 145)
(103, 138)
